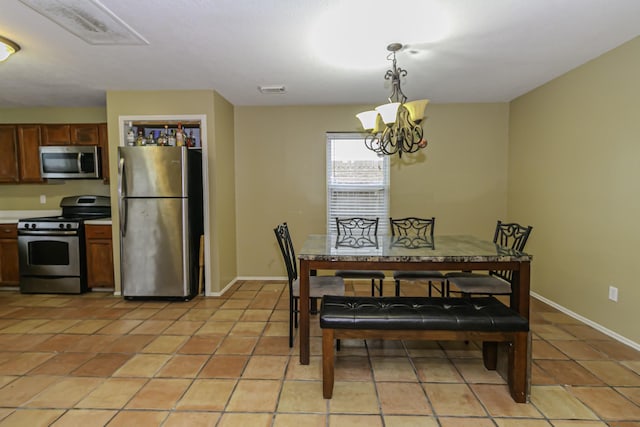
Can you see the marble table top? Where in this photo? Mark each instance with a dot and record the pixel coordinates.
(331, 247)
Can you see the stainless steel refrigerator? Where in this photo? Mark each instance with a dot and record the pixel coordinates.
(161, 220)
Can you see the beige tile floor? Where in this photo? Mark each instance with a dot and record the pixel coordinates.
(96, 359)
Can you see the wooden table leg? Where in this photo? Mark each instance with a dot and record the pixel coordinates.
(327, 363)
(520, 289)
(303, 328)
(520, 301)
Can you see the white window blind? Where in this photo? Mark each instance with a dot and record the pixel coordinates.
(357, 181)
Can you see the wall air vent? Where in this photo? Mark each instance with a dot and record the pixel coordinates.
(88, 19)
(272, 89)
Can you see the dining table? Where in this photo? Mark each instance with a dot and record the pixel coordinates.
(402, 253)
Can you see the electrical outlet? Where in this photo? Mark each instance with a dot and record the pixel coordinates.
(613, 293)
(43, 199)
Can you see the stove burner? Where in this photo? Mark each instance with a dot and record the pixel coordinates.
(75, 210)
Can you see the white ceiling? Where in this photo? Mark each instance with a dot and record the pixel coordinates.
(456, 50)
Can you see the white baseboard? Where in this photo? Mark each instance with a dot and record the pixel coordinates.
(230, 284)
(591, 323)
(225, 289)
(272, 278)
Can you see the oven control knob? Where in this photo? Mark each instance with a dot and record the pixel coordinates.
(61, 225)
(69, 226)
(33, 225)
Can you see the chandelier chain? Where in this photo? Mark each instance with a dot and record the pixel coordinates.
(394, 75)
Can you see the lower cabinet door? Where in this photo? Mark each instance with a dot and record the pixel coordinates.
(99, 256)
(9, 262)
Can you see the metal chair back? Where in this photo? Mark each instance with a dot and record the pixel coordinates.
(357, 226)
(412, 226)
(511, 236)
(288, 253)
(412, 232)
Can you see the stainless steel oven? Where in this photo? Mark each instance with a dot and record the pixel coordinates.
(52, 250)
(50, 261)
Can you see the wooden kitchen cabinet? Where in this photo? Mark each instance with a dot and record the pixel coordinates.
(8, 154)
(99, 256)
(55, 135)
(19, 156)
(19, 147)
(85, 134)
(28, 153)
(70, 134)
(9, 261)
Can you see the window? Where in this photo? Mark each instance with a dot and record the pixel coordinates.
(357, 181)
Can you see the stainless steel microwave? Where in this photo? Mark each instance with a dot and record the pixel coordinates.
(70, 161)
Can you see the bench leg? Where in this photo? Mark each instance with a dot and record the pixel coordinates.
(517, 370)
(327, 363)
(490, 355)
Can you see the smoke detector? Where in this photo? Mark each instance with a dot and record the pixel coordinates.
(272, 89)
(88, 19)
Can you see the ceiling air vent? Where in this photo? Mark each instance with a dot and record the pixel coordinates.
(272, 89)
(88, 19)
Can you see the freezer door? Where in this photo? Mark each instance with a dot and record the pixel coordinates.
(152, 171)
(155, 261)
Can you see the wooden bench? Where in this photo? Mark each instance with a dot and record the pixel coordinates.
(428, 318)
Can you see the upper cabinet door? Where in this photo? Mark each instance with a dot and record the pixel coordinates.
(8, 154)
(70, 134)
(84, 134)
(55, 135)
(29, 155)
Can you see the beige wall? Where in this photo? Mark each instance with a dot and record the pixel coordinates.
(224, 197)
(461, 178)
(27, 196)
(201, 102)
(574, 169)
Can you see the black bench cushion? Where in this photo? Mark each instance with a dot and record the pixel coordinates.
(428, 313)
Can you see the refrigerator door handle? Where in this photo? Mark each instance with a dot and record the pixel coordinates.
(186, 241)
(121, 198)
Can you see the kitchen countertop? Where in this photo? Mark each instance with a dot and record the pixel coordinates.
(103, 221)
(11, 217)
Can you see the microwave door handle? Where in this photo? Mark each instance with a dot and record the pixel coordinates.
(122, 198)
(79, 160)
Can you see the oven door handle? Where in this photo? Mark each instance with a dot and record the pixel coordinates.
(47, 232)
(122, 198)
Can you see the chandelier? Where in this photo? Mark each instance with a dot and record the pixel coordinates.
(395, 127)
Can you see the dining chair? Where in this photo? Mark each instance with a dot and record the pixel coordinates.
(358, 227)
(415, 230)
(507, 236)
(318, 285)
